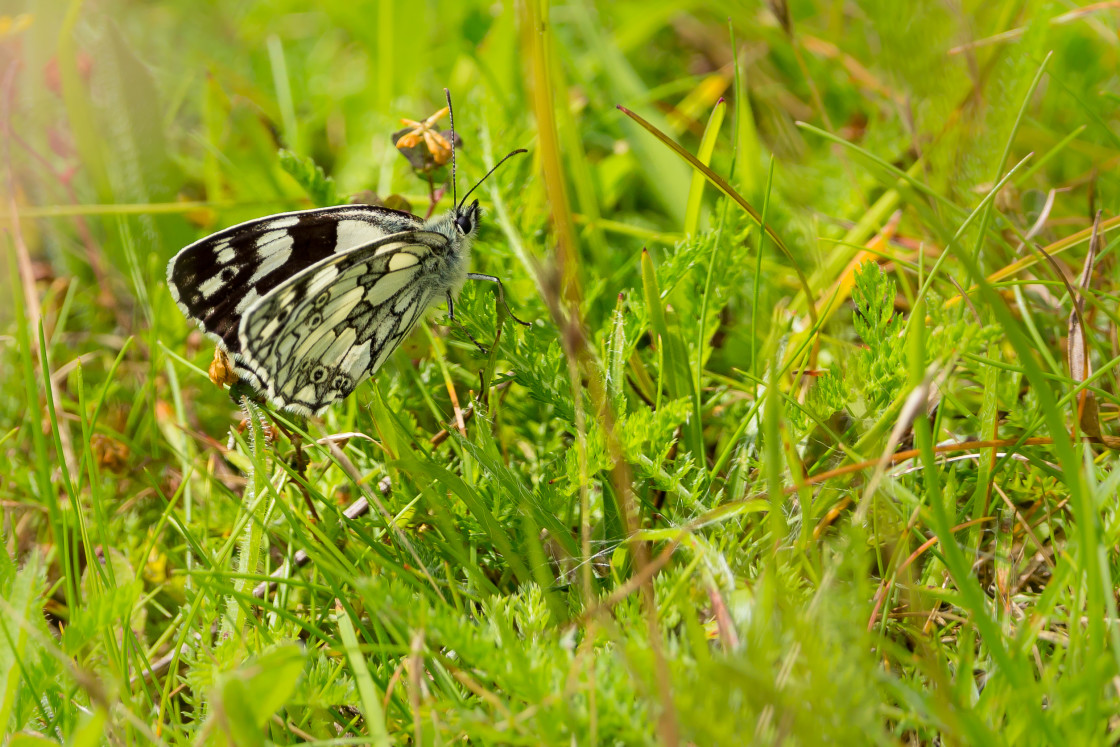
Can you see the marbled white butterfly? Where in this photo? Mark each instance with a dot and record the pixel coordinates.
(309, 304)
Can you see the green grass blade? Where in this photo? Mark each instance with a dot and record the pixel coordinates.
(367, 691)
(704, 155)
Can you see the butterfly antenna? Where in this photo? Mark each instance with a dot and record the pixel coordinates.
(488, 173)
(451, 116)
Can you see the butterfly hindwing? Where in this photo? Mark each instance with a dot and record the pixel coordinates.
(316, 336)
(216, 280)
(307, 304)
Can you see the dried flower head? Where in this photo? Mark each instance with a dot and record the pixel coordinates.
(426, 148)
(110, 453)
(221, 370)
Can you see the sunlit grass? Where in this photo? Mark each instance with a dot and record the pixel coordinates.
(791, 451)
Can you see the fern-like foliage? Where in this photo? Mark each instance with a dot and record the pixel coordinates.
(877, 372)
(310, 175)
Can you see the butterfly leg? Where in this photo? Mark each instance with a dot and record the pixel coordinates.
(298, 461)
(467, 332)
(501, 294)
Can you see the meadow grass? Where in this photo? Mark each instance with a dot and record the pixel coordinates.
(810, 439)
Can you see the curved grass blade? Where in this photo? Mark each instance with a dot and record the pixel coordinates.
(1077, 351)
(721, 184)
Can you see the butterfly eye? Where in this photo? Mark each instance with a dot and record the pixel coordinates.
(322, 298)
(318, 375)
(464, 223)
(282, 314)
(315, 320)
(341, 383)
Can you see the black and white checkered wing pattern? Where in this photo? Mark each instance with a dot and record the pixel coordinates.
(217, 279)
(315, 337)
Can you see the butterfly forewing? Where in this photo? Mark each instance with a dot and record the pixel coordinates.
(319, 334)
(308, 304)
(219, 278)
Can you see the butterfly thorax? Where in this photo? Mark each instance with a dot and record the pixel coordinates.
(459, 225)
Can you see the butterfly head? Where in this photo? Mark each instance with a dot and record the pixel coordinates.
(466, 219)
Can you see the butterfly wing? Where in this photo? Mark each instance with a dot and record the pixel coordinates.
(318, 335)
(216, 279)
